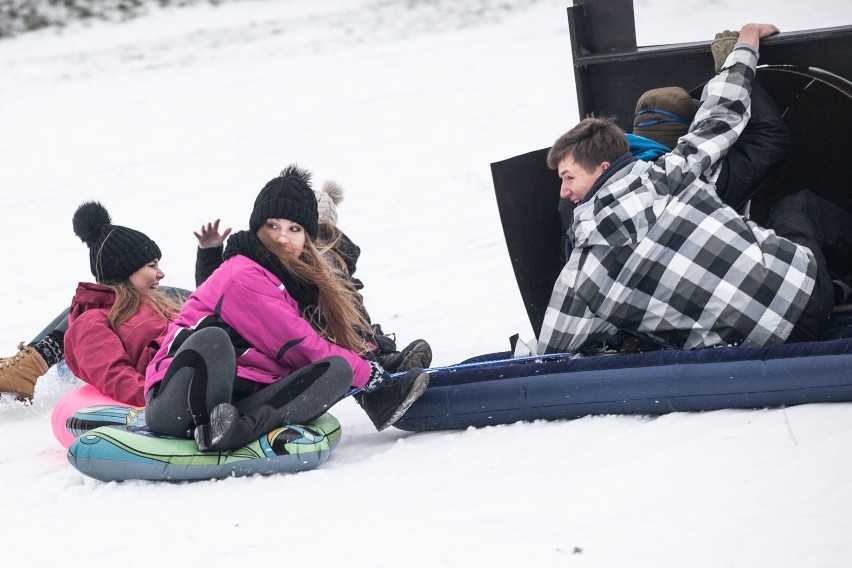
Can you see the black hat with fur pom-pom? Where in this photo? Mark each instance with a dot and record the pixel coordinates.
(115, 252)
(289, 196)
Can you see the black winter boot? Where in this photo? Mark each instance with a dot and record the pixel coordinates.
(417, 354)
(393, 398)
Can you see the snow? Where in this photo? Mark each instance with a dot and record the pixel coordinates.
(181, 116)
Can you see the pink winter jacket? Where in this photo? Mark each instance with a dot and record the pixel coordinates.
(112, 363)
(255, 304)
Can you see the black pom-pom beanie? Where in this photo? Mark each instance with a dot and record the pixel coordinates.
(288, 196)
(115, 252)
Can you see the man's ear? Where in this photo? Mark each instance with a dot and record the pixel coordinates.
(604, 166)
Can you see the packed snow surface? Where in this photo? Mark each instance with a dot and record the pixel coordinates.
(181, 116)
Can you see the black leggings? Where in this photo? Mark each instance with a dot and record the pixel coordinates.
(202, 375)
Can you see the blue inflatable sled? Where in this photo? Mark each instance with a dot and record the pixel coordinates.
(498, 390)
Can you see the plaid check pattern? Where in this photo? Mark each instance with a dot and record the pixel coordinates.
(656, 253)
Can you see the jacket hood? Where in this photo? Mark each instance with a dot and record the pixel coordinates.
(90, 296)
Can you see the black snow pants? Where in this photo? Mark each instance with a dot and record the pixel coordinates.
(202, 375)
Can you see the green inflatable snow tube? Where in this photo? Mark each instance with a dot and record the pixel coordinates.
(132, 452)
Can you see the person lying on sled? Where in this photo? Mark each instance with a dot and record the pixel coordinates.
(116, 324)
(111, 321)
(655, 252)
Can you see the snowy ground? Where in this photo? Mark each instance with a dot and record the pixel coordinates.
(181, 117)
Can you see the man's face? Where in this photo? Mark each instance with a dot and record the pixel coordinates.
(577, 180)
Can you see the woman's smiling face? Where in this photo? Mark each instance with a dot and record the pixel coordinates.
(147, 278)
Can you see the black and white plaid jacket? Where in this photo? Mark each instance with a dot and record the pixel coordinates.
(656, 253)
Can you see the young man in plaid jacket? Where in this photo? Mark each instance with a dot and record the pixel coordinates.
(656, 254)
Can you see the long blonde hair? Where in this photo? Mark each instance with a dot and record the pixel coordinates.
(328, 244)
(338, 317)
(128, 301)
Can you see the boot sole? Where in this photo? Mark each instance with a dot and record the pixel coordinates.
(222, 420)
(417, 389)
(19, 396)
(417, 358)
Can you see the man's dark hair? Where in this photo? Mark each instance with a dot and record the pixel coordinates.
(593, 141)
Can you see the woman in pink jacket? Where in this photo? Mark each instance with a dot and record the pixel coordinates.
(115, 326)
(274, 336)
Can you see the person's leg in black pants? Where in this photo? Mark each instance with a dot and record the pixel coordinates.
(196, 395)
(296, 399)
(200, 376)
(826, 229)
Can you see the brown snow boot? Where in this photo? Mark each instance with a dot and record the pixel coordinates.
(19, 373)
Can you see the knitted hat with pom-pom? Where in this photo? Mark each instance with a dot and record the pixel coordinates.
(328, 198)
(288, 196)
(115, 252)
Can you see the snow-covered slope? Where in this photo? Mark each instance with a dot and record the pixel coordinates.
(181, 117)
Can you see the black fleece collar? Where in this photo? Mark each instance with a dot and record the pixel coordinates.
(246, 243)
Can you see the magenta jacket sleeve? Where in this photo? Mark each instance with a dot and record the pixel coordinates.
(266, 316)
